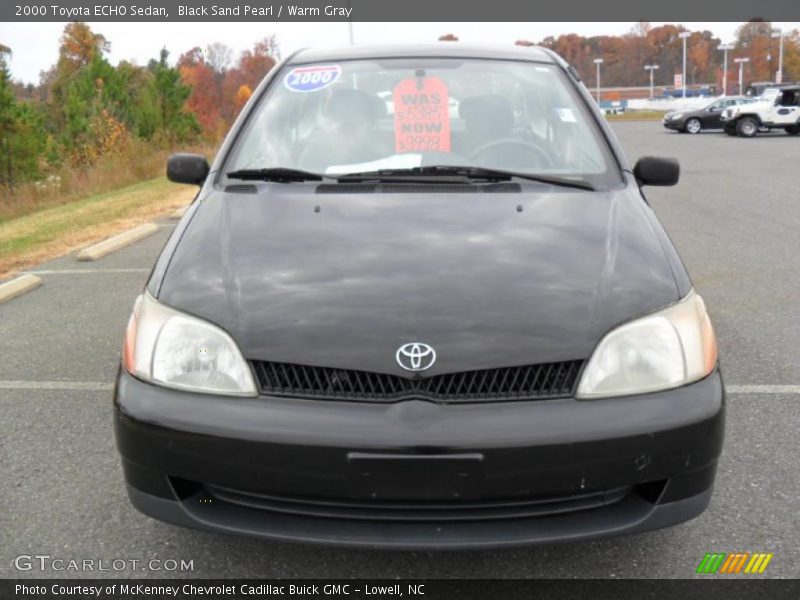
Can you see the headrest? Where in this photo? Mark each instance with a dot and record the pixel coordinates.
(487, 113)
(345, 106)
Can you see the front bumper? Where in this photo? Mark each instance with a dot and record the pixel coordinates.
(416, 474)
(674, 124)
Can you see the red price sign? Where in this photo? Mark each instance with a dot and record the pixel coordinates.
(421, 115)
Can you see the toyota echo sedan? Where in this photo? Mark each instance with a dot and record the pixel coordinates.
(420, 301)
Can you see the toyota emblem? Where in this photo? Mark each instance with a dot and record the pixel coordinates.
(415, 356)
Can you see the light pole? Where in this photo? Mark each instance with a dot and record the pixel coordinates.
(725, 48)
(651, 68)
(598, 62)
(779, 74)
(350, 24)
(683, 35)
(741, 62)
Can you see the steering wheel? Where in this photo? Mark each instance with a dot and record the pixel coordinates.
(522, 144)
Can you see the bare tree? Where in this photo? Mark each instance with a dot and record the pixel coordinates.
(218, 56)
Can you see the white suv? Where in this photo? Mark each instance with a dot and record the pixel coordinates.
(781, 111)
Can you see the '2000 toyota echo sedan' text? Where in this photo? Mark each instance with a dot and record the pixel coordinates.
(420, 301)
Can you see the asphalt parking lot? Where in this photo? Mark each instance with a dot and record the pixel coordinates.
(734, 217)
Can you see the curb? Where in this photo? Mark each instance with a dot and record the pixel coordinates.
(117, 242)
(17, 286)
(179, 213)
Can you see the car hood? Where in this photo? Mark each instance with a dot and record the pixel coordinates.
(488, 279)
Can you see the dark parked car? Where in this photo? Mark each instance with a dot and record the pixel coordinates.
(708, 117)
(420, 301)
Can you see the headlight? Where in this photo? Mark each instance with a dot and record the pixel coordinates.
(169, 348)
(666, 349)
(675, 116)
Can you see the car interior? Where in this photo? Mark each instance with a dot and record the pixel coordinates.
(356, 127)
(789, 98)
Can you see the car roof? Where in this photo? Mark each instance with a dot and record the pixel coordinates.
(439, 50)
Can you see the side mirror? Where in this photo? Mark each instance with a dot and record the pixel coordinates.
(652, 170)
(187, 168)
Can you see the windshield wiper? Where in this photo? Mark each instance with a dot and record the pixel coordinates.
(465, 172)
(279, 174)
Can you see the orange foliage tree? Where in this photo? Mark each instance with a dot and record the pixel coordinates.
(204, 101)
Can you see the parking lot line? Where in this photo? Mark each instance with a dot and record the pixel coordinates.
(763, 389)
(92, 386)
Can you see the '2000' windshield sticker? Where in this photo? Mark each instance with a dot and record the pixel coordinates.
(421, 115)
(312, 79)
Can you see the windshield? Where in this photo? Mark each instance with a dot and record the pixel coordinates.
(369, 115)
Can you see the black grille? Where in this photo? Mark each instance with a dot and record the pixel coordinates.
(420, 511)
(551, 380)
(241, 188)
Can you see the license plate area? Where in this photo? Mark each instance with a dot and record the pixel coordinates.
(415, 477)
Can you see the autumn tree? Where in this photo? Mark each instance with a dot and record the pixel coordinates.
(791, 56)
(624, 57)
(78, 47)
(204, 100)
(242, 96)
(250, 69)
(754, 41)
(448, 37)
(256, 63)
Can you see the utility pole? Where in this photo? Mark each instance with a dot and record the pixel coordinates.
(350, 23)
(725, 48)
(741, 62)
(598, 62)
(651, 68)
(683, 35)
(779, 74)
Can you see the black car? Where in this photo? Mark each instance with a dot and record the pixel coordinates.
(420, 301)
(708, 117)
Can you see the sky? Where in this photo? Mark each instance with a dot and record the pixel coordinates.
(35, 45)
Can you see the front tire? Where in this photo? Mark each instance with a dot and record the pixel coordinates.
(693, 126)
(747, 127)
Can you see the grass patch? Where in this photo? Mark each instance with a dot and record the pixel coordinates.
(44, 234)
(638, 115)
(129, 164)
